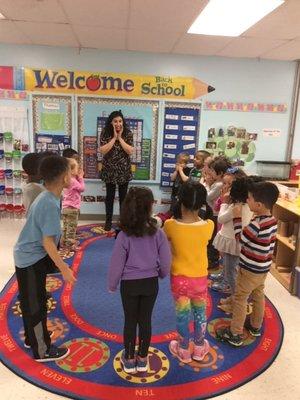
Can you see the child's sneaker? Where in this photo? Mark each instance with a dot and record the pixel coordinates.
(54, 354)
(27, 344)
(253, 331)
(142, 364)
(183, 355)
(216, 277)
(129, 366)
(220, 287)
(225, 335)
(200, 351)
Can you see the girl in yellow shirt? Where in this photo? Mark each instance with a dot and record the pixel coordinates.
(189, 237)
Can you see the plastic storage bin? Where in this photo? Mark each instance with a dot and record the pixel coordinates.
(276, 170)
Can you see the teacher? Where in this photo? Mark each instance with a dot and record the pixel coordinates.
(116, 145)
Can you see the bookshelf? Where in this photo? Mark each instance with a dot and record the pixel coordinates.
(287, 250)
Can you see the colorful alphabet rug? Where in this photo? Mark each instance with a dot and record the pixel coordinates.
(89, 320)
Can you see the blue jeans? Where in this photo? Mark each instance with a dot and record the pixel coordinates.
(230, 263)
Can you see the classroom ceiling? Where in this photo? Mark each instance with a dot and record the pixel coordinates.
(157, 26)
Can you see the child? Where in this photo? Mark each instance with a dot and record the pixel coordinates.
(199, 160)
(231, 174)
(36, 244)
(71, 153)
(141, 255)
(205, 169)
(225, 240)
(215, 173)
(257, 246)
(71, 205)
(179, 176)
(33, 187)
(189, 237)
(31, 190)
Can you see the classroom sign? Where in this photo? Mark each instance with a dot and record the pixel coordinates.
(114, 84)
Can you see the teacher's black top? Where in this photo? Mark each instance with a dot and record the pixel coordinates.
(116, 164)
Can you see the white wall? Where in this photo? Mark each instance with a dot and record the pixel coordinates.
(296, 143)
(245, 80)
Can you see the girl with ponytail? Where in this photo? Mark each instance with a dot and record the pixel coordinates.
(189, 236)
(140, 256)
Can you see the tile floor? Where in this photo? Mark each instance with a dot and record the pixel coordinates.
(279, 381)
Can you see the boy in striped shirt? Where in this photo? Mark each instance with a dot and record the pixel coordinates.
(257, 246)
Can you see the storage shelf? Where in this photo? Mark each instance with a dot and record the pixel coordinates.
(285, 241)
(283, 277)
(288, 206)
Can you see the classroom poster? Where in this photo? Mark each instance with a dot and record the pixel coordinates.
(236, 143)
(53, 143)
(90, 164)
(181, 126)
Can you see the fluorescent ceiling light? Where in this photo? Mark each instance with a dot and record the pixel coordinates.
(231, 17)
(2, 16)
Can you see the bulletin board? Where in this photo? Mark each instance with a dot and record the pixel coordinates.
(142, 119)
(245, 136)
(52, 122)
(180, 135)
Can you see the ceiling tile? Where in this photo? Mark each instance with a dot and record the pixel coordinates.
(249, 47)
(48, 34)
(9, 33)
(171, 15)
(154, 41)
(101, 38)
(282, 23)
(145, 25)
(104, 13)
(200, 44)
(288, 51)
(33, 10)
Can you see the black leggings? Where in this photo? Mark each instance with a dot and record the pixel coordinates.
(32, 288)
(212, 252)
(138, 298)
(110, 198)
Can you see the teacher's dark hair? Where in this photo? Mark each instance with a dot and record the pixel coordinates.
(108, 131)
(136, 213)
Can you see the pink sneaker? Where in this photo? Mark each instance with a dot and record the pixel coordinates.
(200, 351)
(183, 355)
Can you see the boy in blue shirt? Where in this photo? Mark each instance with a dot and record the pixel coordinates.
(37, 244)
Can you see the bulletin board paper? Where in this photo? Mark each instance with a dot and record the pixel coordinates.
(142, 119)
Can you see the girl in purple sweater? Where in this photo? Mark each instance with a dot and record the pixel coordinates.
(141, 254)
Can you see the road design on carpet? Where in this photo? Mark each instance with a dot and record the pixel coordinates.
(88, 320)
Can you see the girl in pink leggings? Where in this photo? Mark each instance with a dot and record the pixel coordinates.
(189, 237)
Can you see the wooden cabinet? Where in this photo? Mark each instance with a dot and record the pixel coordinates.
(287, 250)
